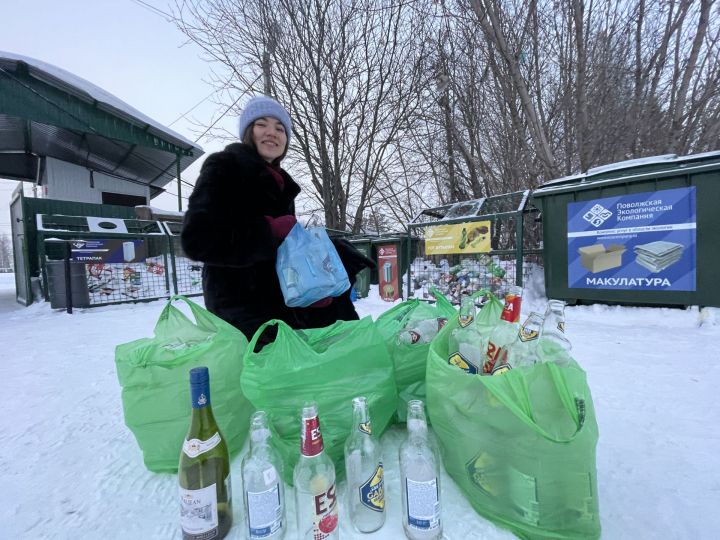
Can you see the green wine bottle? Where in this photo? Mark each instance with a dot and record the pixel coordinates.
(204, 470)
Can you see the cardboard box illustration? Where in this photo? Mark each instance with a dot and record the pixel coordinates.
(597, 258)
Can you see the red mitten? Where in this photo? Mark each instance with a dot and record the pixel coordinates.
(280, 226)
(324, 302)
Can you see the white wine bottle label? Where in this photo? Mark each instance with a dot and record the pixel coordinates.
(194, 447)
(264, 512)
(198, 512)
(423, 504)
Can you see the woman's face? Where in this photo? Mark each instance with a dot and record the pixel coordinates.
(269, 137)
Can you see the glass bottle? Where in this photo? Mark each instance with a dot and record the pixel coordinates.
(420, 478)
(524, 351)
(554, 344)
(421, 330)
(466, 345)
(204, 469)
(314, 479)
(365, 474)
(263, 488)
(504, 334)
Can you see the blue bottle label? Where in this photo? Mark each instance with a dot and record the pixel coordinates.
(200, 395)
(372, 492)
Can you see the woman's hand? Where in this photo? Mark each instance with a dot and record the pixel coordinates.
(281, 226)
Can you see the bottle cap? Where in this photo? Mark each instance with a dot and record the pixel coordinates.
(199, 375)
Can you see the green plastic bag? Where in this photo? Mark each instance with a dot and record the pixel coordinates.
(521, 445)
(410, 359)
(154, 375)
(329, 365)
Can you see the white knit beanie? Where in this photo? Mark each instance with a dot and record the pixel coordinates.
(260, 106)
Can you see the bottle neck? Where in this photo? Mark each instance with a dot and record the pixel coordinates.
(200, 395)
(311, 441)
(202, 415)
(361, 418)
(467, 312)
(259, 439)
(416, 421)
(417, 428)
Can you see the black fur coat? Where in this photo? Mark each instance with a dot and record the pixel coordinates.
(225, 228)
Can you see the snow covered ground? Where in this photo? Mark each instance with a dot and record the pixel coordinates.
(70, 468)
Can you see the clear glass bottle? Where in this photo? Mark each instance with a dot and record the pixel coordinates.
(420, 478)
(504, 334)
(263, 488)
(204, 469)
(466, 345)
(553, 328)
(421, 330)
(554, 344)
(524, 351)
(314, 479)
(365, 473)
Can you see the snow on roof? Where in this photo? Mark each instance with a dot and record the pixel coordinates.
(72, 82)
(564, 179)
(585, 178)
(631, 163)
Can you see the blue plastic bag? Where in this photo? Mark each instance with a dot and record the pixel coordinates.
(309, 267)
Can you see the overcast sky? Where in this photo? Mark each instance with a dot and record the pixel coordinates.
(123, 47)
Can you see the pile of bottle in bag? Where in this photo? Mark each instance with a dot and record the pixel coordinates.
(204, 472)
(510, 344)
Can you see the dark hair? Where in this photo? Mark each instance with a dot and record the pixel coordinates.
(248, 139)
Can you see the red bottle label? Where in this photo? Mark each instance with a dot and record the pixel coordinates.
(326, 516)
(495, 356)
(312, 442)
(511, 311)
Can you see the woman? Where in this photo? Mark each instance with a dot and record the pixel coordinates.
(240, 211)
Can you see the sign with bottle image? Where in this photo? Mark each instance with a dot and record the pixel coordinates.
(388, 272)
(111, 250)
(644, 241)
(458, 238)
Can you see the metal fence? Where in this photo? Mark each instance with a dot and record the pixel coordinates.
(141, 260)
(489, 243)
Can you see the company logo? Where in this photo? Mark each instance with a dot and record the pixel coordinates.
(458, 360)
(597, 215)
(365, 427)
(78, 244)
(502, 368)
(465, 320)
(202, 400)
(372, 492)
(528, 334)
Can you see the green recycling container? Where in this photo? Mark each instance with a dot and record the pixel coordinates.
(638, 232)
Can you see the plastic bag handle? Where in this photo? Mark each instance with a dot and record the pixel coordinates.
(202, 321)
(440, 297)
(482, 292)
(568, 402)
(282, 327)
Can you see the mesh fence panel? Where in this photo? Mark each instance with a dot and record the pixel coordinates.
(456, 275)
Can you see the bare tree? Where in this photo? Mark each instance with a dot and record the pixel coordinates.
(347, 72)
(403, 105)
